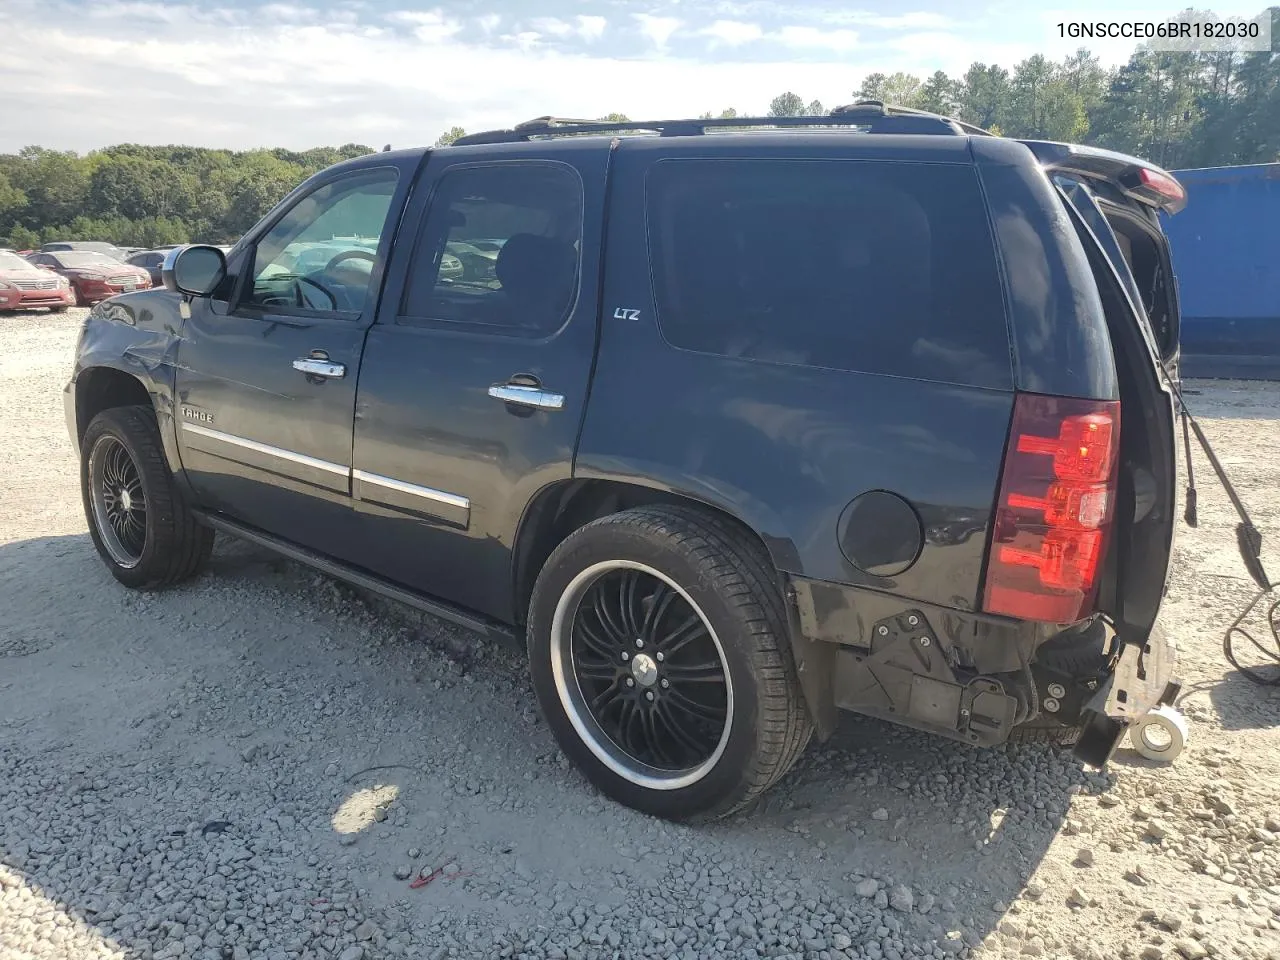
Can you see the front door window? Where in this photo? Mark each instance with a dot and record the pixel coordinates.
(319, 257)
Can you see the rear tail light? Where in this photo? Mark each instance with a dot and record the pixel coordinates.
(1057, 497)
(1161, 183)
(1155, 187)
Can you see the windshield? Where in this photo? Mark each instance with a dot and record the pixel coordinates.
(11, 261)
(84, 258)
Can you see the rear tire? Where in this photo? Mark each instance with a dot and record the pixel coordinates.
(58, 309)
(658, 655)
(141, 525)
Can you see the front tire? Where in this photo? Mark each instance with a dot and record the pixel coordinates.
(658, 655)
(138, 519)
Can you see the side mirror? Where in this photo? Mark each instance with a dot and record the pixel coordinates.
(195, 270)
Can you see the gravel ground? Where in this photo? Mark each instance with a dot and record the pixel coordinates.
(258, 764)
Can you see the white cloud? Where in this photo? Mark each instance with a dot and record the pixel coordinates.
(732, 33)
(430, 26)
(657, 29)
(300, 85)
(526, 39)
(839, 40)
(583, 27)
(591, 28)
(916, 20)
(308, 75)
(553, 26)
(930, 44)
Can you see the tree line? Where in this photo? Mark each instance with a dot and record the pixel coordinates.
(142, 196)
(1176, 109)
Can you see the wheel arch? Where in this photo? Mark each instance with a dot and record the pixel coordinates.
(560, 508)
(101, 388)
(104, 386)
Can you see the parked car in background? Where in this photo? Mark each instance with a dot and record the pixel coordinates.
(93, 276)
(150, 261)
(93, 246)
(24, 286)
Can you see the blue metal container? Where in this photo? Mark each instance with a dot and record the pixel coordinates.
(1226, 254)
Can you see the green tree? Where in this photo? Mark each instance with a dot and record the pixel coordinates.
(616, 118)
(1083, 75)
(786, 105)
(940, 94)
(1042, 105)
(984, 95)
(450, 136)
(55, 184)
(899, 89)
(20, 238)
(815, 109)
(12, 201)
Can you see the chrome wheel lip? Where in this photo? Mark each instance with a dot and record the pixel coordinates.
(119, 553)
(573, 702)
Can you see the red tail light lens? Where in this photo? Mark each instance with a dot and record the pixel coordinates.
(1056, 501)
(1161, 183)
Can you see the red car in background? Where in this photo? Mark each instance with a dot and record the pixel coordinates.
(25, 287)
(93, 276)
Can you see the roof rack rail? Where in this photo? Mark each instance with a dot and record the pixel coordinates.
(871, 116)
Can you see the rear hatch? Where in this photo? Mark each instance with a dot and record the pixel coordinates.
(1114, 202)
(1120, 198)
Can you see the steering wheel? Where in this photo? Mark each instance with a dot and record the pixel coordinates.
(349, 255)
(299, 298)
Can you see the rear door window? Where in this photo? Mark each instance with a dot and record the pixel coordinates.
(885, 268)
(500, 250)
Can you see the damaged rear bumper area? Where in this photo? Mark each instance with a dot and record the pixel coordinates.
(967, 676)
(1140, 680)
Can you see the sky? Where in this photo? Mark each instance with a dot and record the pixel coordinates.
(82, 74)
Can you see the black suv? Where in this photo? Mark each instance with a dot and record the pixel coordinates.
(739, 422)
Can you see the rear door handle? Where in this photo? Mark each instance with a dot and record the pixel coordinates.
(527, 396)
(320, 367)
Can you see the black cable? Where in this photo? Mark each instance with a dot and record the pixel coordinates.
(1192, 515)
(1236, 631)
(1249, 541)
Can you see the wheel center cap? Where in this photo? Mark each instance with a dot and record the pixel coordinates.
(644, 669)
(126, 501)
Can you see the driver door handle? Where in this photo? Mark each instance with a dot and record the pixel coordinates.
(527, 396)
(320, 367)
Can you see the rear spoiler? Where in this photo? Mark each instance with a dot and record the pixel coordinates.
(1140, 180)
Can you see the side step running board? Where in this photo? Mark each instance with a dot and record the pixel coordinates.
(360, 578)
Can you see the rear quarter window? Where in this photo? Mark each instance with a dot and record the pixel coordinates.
(868, 266)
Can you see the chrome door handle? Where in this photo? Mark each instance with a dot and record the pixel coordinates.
(315, 367)
(527, 396)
